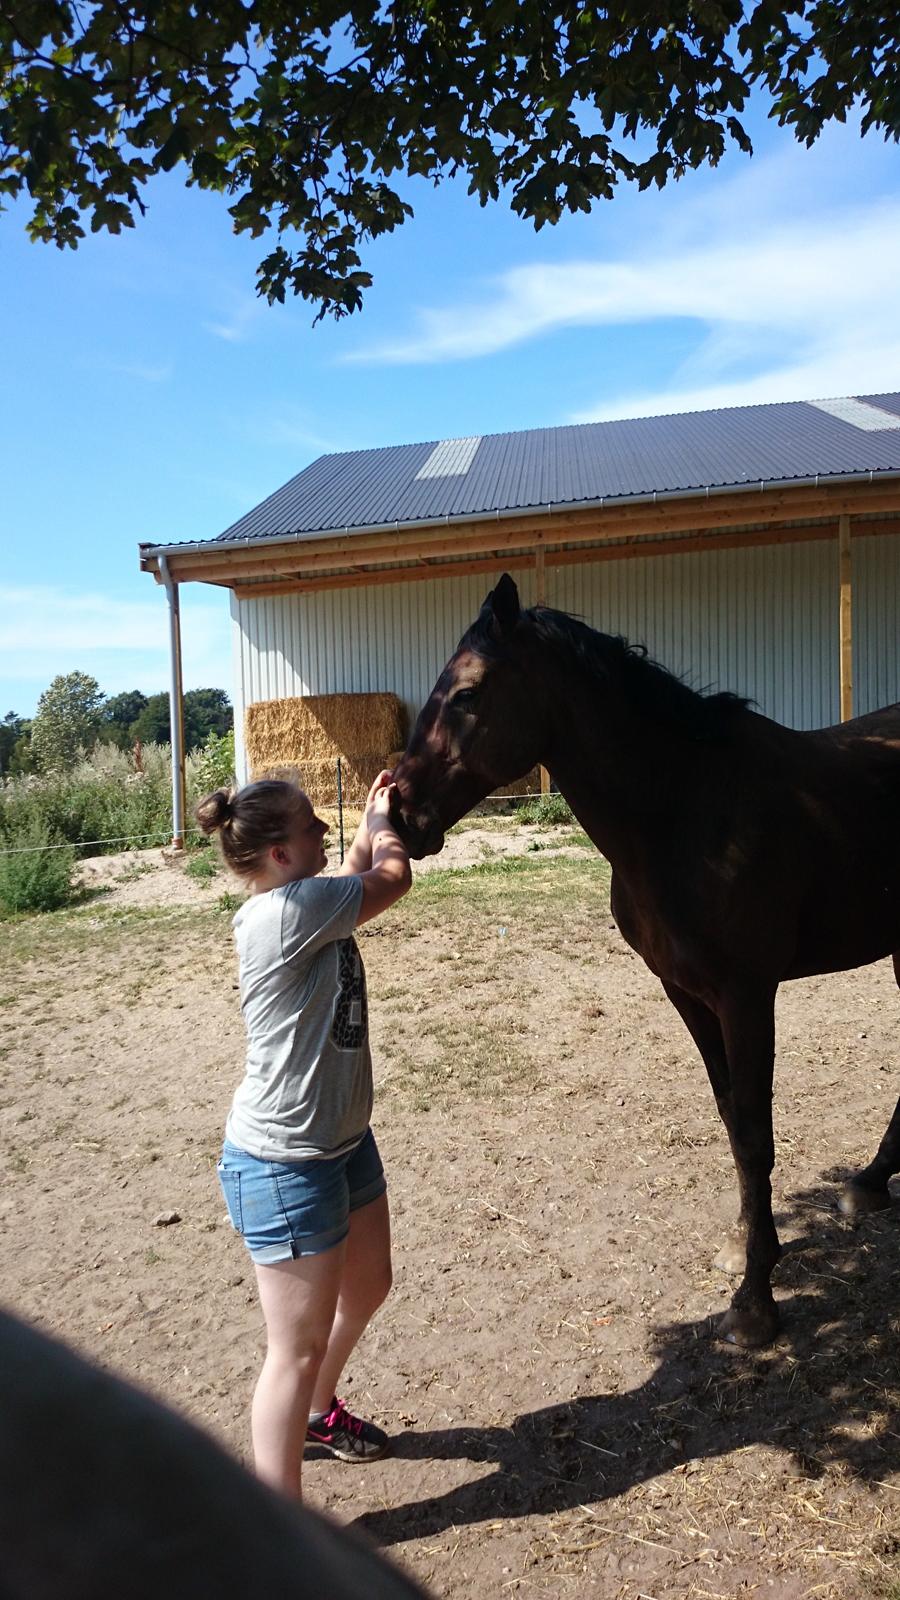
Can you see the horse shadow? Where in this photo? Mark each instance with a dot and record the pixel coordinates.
(826, 1392)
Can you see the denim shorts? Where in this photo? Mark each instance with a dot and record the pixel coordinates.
(285, 1209)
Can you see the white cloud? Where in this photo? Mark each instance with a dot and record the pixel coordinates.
(42, 619)
(161, 373)
(235, 326)
(839, 366)
(291, 425)
(798, 280)
(124, 644)
(788, 297)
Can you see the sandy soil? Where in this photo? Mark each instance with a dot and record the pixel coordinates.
(157, 877)
(565, 1423)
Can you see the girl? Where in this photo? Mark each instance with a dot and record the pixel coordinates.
(300, 1169)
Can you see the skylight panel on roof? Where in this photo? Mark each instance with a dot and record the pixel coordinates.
(451, 458)
(859, 413)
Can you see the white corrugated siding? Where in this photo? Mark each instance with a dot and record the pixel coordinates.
(763, 622)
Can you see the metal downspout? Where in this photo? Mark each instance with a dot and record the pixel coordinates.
(176, 706)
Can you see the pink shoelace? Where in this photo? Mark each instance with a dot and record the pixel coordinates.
(340, 1417)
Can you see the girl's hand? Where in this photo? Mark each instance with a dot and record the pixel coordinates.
(378, 807)
(380, 782)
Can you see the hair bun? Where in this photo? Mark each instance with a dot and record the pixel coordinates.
(215, 811)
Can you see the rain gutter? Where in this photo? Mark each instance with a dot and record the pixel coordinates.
(604, 503)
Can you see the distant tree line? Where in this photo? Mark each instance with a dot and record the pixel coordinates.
(73, 715)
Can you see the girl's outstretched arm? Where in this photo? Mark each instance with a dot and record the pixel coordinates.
(359, 857)
(390, 875)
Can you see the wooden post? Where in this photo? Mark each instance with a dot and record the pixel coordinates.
(540, 594)
(846, 618)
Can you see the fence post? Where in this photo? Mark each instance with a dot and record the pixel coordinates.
(340, 789)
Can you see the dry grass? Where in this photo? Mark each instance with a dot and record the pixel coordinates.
(567, 1426)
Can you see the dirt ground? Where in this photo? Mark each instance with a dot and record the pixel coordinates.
(565, 1423)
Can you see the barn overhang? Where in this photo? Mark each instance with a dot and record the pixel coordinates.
(551, 536)
(542, 537)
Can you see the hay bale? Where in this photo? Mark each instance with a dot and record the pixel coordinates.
(530, 784)
(319, 778)
(321, 727)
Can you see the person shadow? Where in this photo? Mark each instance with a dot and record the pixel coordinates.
(827, 1391)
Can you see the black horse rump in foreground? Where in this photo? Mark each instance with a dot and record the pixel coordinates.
(743, 853)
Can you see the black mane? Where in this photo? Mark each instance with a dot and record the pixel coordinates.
(608, 658)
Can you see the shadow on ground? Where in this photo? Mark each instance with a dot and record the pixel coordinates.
(827, 1391)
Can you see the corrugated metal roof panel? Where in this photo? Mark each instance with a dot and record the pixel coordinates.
(860, 413)
(451, 459)
(506, 472)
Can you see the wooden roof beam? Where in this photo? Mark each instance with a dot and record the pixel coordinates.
(298, 558)
(720, 511)
(499, 561)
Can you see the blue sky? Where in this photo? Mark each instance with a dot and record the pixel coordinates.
(149, 395)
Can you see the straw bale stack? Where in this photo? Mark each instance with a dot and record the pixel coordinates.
(530, 784)
(303, 737)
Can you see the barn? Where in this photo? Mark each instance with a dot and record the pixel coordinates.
(755, 548)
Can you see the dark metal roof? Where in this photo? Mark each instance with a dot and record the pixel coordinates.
(741, 447)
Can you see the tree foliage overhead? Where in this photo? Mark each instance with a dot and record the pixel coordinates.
(303, 115)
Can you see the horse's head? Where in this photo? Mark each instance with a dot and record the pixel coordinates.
(480, 728)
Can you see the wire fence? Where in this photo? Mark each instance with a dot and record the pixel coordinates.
(83, 844)
(162, 834)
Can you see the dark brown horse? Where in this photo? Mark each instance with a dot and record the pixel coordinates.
(742, 852)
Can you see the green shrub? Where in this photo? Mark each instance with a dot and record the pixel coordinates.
(212, 766)
(545, 808)
(35, 876)
(102, 798)
(202, 866)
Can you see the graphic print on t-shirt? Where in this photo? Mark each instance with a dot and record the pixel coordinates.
(351, 1013)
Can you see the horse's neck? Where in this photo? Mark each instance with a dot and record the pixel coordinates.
(613, 778)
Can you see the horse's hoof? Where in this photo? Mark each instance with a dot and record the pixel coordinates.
(733, 1255)
(749, 1328)
(857, 1200)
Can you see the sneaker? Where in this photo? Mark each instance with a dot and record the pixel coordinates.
(346, 1436)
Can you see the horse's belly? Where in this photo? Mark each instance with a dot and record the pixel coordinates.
(853, 936)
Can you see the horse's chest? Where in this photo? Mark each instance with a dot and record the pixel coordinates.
(657, 938)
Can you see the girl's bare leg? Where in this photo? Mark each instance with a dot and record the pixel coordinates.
(365, 1283)
(298, 1299)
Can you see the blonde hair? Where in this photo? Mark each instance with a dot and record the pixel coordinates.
(251, 820)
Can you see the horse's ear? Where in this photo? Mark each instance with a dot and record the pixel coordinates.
(503, 603)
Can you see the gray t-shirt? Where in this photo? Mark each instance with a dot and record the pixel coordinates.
(307, 1090)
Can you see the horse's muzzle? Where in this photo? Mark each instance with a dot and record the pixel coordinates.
(418, 827)
(423, 836)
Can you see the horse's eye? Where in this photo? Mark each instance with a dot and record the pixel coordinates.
(465, 700)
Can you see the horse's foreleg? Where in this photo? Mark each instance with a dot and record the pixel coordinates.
(868, 1189)
(748, 1032)
(705, 1029)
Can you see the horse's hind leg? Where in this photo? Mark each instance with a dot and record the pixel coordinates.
(868, 1189)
